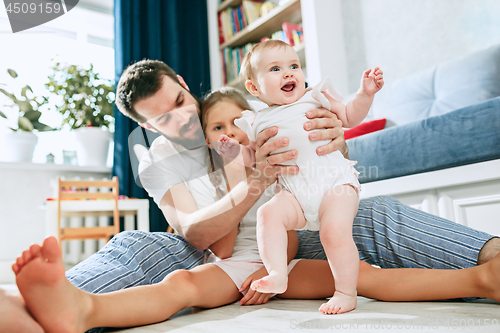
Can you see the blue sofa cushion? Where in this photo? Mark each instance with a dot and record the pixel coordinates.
(449, 86)
(465, 136)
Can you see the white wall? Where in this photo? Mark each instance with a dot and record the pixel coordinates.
(406, 36)
(24, 188)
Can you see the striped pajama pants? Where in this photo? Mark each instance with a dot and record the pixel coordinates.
(386, 232)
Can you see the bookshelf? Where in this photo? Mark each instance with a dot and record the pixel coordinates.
(266, 25)
(249, 32)
(228, 3)
(321, 54)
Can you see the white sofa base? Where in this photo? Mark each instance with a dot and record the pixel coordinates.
(468, 194)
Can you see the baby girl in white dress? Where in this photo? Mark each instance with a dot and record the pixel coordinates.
(324, 194)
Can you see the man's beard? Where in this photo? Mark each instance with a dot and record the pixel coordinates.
(197, 141)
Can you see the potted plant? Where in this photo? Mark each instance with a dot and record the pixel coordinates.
(20, 143)
(86, 103)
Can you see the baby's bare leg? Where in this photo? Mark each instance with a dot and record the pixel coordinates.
(274, 219)
(336, 215)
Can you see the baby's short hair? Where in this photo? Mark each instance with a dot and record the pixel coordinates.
(248, 63)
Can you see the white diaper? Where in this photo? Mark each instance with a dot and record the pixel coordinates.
(240, 270)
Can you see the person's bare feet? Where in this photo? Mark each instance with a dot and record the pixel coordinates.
(489, 250)
(14, 317)
(489, 278)
(339, 303)
(54, 302)
(271, 284)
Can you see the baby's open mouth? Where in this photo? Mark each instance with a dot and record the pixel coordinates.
(288, 87)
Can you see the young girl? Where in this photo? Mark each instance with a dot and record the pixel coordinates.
(324, 194)
(57, 305)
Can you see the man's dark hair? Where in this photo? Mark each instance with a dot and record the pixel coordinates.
(139, 81)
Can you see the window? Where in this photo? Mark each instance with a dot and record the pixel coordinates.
(82, 36)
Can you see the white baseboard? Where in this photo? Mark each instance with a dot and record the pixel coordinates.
(6, 274)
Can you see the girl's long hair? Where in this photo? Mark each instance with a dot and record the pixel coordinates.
(215, 163)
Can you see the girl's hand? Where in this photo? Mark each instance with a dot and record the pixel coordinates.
(372, 83)
(330, 128)
(253, 297)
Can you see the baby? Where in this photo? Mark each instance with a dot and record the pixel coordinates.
(324, 194)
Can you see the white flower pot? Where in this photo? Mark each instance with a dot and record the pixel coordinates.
(19, 146)
(92, 146)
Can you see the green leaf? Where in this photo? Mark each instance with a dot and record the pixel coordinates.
(42, 127)
(33, 115)
(3, 115)
(26, 88)
(24, 124)
(24, 106)
(12, 73)
(9, 95)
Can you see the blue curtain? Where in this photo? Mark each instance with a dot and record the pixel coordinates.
(174, 31)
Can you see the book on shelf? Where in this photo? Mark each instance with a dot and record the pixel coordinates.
(251, 9)
(232, 58)
(234, 19)
(221, 30)
(293, 33)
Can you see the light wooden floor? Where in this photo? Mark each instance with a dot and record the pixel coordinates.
(303, 316)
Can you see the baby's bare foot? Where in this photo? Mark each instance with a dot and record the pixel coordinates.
(54, 302)
(228, 147)
(339, 303)
(273, 283)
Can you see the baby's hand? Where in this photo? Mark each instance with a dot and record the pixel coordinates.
(228, 147)
(371, 83)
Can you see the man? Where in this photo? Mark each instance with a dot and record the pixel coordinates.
(386, 232)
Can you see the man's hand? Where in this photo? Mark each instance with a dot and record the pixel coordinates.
(330, 128)
(253, 297)
(266, 166)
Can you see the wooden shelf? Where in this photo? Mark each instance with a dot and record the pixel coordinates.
(265, 25)
(228, 3)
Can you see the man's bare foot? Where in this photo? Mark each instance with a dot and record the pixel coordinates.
(14, 317)
(339, 303)
(54, 302)
(489, 250)
(271, 284)
(489, 278)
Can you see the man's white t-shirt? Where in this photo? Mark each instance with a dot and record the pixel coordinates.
(167, 164)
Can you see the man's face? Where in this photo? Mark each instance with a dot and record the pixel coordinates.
(173, 112)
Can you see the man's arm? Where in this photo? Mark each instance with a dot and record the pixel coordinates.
(203, 227)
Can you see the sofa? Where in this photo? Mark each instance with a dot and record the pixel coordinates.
(442, 152)
(444, 117)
